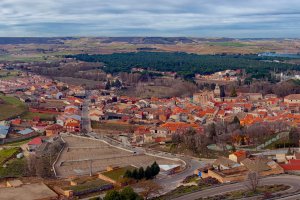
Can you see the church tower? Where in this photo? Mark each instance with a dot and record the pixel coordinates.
(217, 91)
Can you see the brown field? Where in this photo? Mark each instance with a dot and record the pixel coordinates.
(80, 152)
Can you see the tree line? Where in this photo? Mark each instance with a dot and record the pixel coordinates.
(139, 174)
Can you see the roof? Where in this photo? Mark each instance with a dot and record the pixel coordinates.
(3, 131)
(168, 167)
(292, 97)
(28, 192)
(224, 161)
(77, 117)
(26, 131)
(256, 165)
(54, 127)
(240, 153)
(293, 165)
(36, 141)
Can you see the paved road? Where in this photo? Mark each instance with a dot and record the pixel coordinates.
(290, 180)
(292, 197)
(86, 122)
(171, 182)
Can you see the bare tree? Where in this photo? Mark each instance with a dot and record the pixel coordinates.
(151, 189)
(253, 181)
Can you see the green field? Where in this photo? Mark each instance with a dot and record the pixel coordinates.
(42, 116)
(229, 44)
(12, 107)
(117, 174)
(14, 168)
(6, 74)
(7, 153)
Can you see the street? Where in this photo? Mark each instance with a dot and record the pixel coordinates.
(291, 180)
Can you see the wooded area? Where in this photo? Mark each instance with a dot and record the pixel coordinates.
(186, 65)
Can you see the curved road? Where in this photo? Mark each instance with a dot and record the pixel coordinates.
(292, 181)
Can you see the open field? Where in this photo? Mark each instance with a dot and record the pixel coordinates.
(7, 74)
(7, 153)
(79, 153)
(42, 116)
(12, 107)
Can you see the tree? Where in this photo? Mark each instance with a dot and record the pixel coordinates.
(151, 189)
(128, 174)
(233, 92)
(113, 195)
(211, 129)
(154, 169)
(236, 120)
(135, 174)
(294, 136)
(108, 85)
(117, 83)
(141, 173)
(253, 181)
(128, 194)
(148, 173)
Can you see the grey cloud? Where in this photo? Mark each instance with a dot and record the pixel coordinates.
(232, 18)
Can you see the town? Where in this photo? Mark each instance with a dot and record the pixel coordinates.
(60, 140)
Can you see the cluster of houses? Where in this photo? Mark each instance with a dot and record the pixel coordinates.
(224, 76)
(240, 163)
(157, 119)
(42, 96)
(237, 167)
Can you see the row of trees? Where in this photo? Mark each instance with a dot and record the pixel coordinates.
(149, 173)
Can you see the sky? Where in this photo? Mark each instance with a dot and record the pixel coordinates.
(192, 18)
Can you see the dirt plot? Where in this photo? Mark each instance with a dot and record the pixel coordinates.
(81, 153)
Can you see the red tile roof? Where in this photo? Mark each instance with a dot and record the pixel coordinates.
(35, 141)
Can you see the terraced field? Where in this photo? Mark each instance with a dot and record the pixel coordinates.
(81, 153)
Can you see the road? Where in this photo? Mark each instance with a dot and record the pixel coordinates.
(86, 122)
(171, 182)
(291, 180)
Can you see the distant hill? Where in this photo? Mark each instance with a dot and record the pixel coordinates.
(33, 40)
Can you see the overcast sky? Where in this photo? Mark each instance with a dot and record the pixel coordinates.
(199, 18)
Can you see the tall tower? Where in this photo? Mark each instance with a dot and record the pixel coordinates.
(217, 91)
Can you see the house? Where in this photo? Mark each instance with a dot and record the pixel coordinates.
(223, 163)
(169, 169)
(292, 99)
(28, 132)
(53, 129)
(34, 143)
(238, 173)
(263, 166)
(4, 131)
(293, 166)
(238, 156)
(72, 126)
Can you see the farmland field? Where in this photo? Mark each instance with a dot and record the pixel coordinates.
(7, 153)
(42, 116)
(11, 107)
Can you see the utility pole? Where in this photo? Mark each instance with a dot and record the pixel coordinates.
(91, 172)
